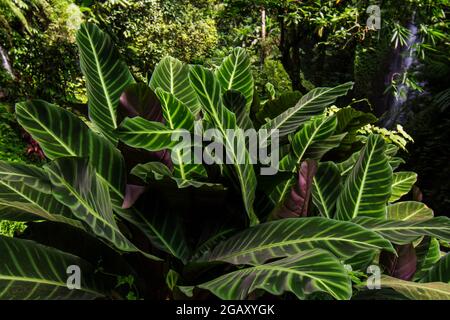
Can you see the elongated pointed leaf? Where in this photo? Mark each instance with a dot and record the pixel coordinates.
(313, 132)
(285, 237)
(149, 135)
(302, 274)
(404, 232)
(106, 77)
(402, 183)
(235, 74)
(75, 184)
(313, 103)
(74, 138)
(171, 75)
(326, 187)
(418, 291)
(208, 91)
(409, 211)
(367, 188)
(178, 116)
(440, 272)
(30, 271)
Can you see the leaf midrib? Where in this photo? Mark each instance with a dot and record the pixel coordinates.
(102, 80)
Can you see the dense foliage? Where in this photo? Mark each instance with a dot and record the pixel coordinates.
(334, 208)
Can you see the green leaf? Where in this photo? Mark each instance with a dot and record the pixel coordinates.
(405, 232)
(313, 103)
(163, 228)
(409, 211)
(286, 237)
(43, 121)
(235, 74)
(208, 91)
(402, 183)
(106, 77)
(235, 101)
(326, 187)
(172, 76)
(30, 175)
(154, 171)
(418, 291)
(302, 274)
(313, 132)
(178, 116)
(428, 253)
(273, 108)
(39, 204)
(440, 272)
(30, 271)
(368, 186)
(75, 184)
(10, 213)
(138, 132)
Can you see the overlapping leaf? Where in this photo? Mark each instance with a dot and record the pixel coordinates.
(313, 103)
(235, 74)
(286, 237)
(313, 132)
(38, 204)
(402, 183)
(149, 135)
(409, 211)
(74, 138)
(172, 76)
(440, 272)
(178, 116)
(404, 232)
(30, 271)
(418, 291)
(368, 186)
(209, 94)
(326, 187)
(302, 274)
(428, 253)
(106, 77)
(75, 184)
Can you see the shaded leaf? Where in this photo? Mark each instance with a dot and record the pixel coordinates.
(30, 271)
(285, 237)
(302, 274)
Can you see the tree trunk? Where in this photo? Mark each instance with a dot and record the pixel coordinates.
(263, 35)
(289, 46)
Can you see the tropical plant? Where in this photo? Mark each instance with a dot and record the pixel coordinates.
(120, 200)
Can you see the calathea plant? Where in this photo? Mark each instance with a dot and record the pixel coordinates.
(119, 200)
